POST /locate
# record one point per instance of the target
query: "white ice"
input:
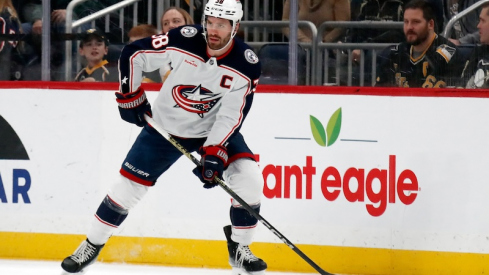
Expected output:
(27, 267)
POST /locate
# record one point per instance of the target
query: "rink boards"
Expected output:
(363, 181)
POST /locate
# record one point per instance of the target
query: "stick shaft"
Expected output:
(235, 196)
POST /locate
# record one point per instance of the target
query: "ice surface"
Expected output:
(24, 267)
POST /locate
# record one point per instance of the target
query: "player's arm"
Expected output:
(235, 106)
(143, 55)
(233, 111)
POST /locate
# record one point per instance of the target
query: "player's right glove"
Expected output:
(133, 106)
(213, 160)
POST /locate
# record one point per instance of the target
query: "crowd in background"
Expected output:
(21, 54)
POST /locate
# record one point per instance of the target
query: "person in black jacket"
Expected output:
(426, 59)
(476, 71)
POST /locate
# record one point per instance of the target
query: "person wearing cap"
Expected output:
(94, 47)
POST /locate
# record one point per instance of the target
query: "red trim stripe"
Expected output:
(244, 227)
(240, 120)
(185, 52)
(104, 222)
(262, 88)
(114, 202)
(135, 179)
(239, 156)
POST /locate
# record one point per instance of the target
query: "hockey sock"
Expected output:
(244, 224)
(108, 218)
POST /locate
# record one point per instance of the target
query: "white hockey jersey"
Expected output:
(203, 96)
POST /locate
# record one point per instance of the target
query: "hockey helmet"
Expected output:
(227, 9)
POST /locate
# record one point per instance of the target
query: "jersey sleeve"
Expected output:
(232, 113)
(237, 102)
(145, 55)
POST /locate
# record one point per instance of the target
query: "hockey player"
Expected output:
(202, 104)
(425, 60)
(476, 70)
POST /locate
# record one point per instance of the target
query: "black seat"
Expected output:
(274, 59)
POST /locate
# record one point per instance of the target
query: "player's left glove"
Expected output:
(133, 106)
(213, 160)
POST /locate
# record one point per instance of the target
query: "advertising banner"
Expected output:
(341, 169)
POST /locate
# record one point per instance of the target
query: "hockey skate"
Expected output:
(84, 255)
(242, 259)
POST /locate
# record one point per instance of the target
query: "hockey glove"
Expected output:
(213, 160)
(133, 106)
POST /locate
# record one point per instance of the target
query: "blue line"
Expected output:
(292, 138)
(359, 140)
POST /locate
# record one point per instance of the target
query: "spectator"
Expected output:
(373, 10)
(31, 18)
(317, 12)
(9, 25)
(175, 17)
(425, 60)
(93, 46)
(464, 30)
(172, 18)
(477, 68)
(140, 32)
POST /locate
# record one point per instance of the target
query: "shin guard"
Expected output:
(244, 224)
(110, 213)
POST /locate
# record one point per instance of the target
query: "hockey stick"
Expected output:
(235, 196)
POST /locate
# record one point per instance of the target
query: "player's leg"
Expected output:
(150, 156)
(113, 210)
(244, 177)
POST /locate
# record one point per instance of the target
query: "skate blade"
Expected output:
(83, 271)
(241, 271)
(67, 273)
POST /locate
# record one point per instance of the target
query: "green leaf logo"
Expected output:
(318, 131)
(326, 137)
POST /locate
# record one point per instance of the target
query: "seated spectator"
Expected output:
(318, 12)
(31, 18)
(9, 25)
(94, 47)
(140, 32)
(425, 60)
(172, 18)
(476, 71)
(464, 30)
(175, 17)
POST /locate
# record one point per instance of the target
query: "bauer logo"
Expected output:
(326, 136)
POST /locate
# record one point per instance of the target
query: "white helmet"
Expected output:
(226, 9)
